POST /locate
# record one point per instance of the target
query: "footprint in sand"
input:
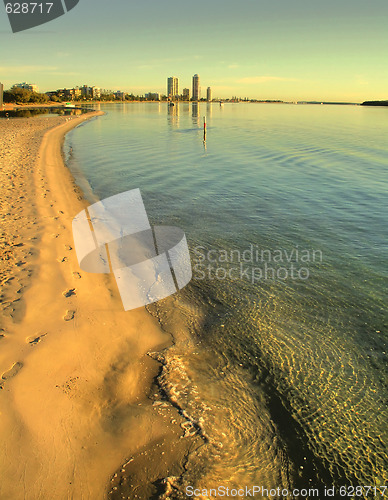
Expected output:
(35, 340)
(65, 259)
(70, 292)
(15, 368)
(68, 247)
(69, 315)
(76, 276)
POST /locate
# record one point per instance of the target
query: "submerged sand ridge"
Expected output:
(77, 398)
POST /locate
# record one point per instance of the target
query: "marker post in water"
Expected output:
(204, 129)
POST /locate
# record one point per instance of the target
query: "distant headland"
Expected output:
(375, 103)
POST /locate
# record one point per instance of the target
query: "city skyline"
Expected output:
(303, 51)
(87, 92)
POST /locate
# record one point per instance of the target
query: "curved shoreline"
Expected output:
(77, 384)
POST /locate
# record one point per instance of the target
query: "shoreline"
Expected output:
(78, 396)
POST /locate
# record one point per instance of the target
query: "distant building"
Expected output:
(27, 86)
(209, 94)
(86, 91)
(120, 95)
(76, 92)
(196, 88)
(153, 96)
(64, 93)
(1, 94)
(172, 87)
(96, 92)
(186, 95)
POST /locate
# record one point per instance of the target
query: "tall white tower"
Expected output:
(196, 88)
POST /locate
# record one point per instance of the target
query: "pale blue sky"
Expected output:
(272, 49)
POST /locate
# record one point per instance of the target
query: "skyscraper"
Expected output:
(209, 94)
(196, 88)
(186, 94)
(172, 87)
(1, 94)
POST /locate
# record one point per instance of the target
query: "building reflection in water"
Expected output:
(195, 114)
(123, 107)
(185, 108)
(173, 115)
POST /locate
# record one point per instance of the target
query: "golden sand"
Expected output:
(76, 382)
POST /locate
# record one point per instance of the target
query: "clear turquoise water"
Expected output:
(287, 378)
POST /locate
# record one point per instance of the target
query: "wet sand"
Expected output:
(80, 409)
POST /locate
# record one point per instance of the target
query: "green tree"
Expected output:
(18, 96)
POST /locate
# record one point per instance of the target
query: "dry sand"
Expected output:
(77, 398)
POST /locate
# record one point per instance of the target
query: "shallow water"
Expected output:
(285, 367)
(36, 112)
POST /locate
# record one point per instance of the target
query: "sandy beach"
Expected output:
(78, 403)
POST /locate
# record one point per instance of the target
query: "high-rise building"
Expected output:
(1, 94)
(196, 88)
(209, 94)
(186, 94)
(172, 87)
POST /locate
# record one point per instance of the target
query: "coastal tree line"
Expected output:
(24, 96)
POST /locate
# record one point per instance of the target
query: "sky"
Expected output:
(332, 50)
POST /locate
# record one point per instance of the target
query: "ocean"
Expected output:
(280, 356)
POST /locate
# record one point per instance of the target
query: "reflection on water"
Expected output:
(195, 112)
(51, 111)
(184, 108)
(173, 114)
(286, 378)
